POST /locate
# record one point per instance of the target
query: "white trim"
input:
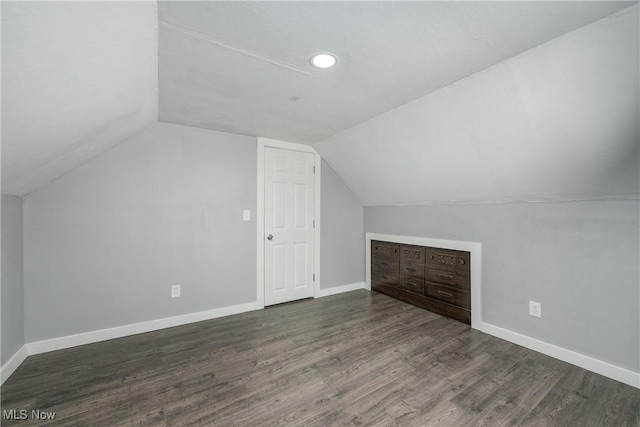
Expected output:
(598, 366)
(340, 289)
(260, 224)
(475, 248)
(136, 328)
(262, 143)
(285, 145)
(586, 362)
(318, 196)
(13, 363)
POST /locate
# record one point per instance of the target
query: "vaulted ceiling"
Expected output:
(80, 77)
(77, 79)
(244, 66)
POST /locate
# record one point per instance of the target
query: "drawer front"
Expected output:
(450, 295)
(415, 254)
(385, 249)
(410, 284)
(412, 269)
(384, 264)
(448, 260)
(449, 278)
(386, 278)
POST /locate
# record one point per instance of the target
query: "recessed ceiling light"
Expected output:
(323, 60)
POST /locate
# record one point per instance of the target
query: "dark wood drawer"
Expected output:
(448, 260)
(386, 278)
(449, 278)
(452, 296)
(431, 278)
(385, 249)
(415, 254)
(384, 264)
(427, 303)
(412, 269)
(411, 284)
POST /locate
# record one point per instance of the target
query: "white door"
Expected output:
(288, 225)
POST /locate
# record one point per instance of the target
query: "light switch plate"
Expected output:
(246, 215)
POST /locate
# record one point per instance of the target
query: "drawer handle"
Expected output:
(445, 276)
(445, 294)
(384, 263)
(384, 277)
(413, 270)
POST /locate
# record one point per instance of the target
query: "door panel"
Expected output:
(289, 233)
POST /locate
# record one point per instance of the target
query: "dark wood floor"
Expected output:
(351, 359)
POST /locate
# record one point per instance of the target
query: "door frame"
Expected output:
(263, 143)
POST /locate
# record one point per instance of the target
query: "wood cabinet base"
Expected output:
(427, 303)
(431, 278)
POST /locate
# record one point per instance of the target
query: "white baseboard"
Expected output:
(598, 366)
(340, 289)
(136, 328)
(589, 363)
(13, 363)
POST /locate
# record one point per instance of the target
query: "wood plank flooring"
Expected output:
(358, 358)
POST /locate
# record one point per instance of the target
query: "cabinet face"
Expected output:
(432, 278)
(454, 279)
(452, 296)
(386, 278)
(412, 269)
(414, 254)
(385, 249)
(384, 264)
(448, 260)
(413, 285)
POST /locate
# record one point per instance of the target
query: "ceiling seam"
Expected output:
(250, 54)
(558, 199)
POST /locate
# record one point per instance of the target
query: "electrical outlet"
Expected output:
(175, 291)
(246, 215)
(535, 309)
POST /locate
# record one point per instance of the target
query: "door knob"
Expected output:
(270, 237)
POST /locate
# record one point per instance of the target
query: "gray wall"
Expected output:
(342, 236)
(579, 259)
(104, 243)
(12, 277)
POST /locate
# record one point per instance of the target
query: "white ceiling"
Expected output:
(81, 77)
(77, 79)
(243, 67)
(558, 122)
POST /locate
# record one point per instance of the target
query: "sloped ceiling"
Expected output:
(81, 77)
(559, 122)
(243, 66)
(77, 79)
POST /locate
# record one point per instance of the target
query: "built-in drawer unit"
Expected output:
(385, 250)
(452, 296)
(455, 279)
(448, 259)
(410, 284)
(384, 277)
(432, 278)
(385, 265)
